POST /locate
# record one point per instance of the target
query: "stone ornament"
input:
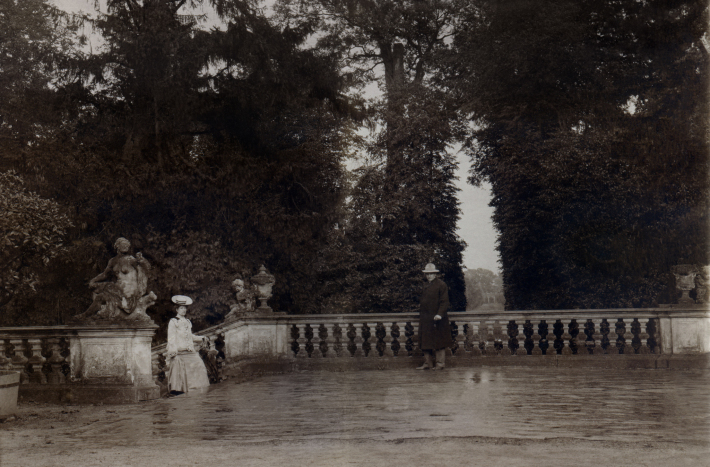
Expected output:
(702, 280)
(243, 303)
(263, 282)
(690, 277)
(119, 293)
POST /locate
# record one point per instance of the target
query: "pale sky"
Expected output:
(475, 226)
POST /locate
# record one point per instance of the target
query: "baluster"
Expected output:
(616, 332)
(388, 340)
(315, 341)
(654, 328)
(36, 361)
(580, 340)
(504, 338)
(566, 339)
(293, 340)
(416, 349)
(4, 361)
(628, 338)
(490, 339)
(397, 345)
(485, 333)
(373, 340)
(368, 340)
(643, 335)
(449, 352)
(483, 338)
(474, 338)
(154, 364)
(56, 360)
(359, 352)
(521, 337)
(157, 361)
(18, 359)
(409, 334)
(461, 339)
(612, 336)
(597, 337)
(550, 339)
(302, 341)
(330, 341)
(536, 338)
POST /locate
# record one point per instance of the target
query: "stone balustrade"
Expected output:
(557, 337)
(477, 335)
(84, 364)
(114, 363)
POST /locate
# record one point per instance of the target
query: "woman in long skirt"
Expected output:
(187, 370)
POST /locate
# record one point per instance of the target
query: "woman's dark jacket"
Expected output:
(434, 335)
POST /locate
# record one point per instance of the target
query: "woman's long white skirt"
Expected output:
(187, 371)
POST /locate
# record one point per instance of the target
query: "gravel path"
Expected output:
(461, 416)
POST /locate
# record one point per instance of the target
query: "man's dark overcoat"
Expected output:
(434, 335)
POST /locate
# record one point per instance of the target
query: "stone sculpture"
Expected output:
(702, 280)
(244, 300)
(119, 293)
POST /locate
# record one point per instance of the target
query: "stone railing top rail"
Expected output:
(68, 329)
(675, 310)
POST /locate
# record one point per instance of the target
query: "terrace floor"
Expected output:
(460, 416)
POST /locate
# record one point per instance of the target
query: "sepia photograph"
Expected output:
(354, 232)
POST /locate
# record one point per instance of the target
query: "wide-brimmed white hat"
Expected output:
(430, 268)
(181, 300)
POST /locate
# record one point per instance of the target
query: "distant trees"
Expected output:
(482, 284)
(591, 125)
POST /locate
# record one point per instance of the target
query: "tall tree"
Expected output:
(36, 43)
(593, 134)
(212, 151)
(407, 191)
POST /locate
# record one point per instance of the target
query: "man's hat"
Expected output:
(430, 268)
(182, 300)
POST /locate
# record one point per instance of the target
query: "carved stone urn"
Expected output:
(263, 282)
(685, 281)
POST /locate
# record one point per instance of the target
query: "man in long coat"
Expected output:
(434, 328)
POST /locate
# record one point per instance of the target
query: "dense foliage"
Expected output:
(591, 125)
(215, 151)
(31, 232)
(212, 151)
(403, 210)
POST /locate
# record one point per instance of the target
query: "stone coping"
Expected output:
(26, 332)
(671, 311)
(66, 328)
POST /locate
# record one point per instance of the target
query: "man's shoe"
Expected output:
(438, 367)
(424, 367)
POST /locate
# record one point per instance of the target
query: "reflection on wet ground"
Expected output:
(594, 404)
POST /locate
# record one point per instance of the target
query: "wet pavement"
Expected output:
(479, 416)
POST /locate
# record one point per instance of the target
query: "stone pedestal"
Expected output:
(685, 334)
(9, 385)
(111, 364)
(255, 338)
